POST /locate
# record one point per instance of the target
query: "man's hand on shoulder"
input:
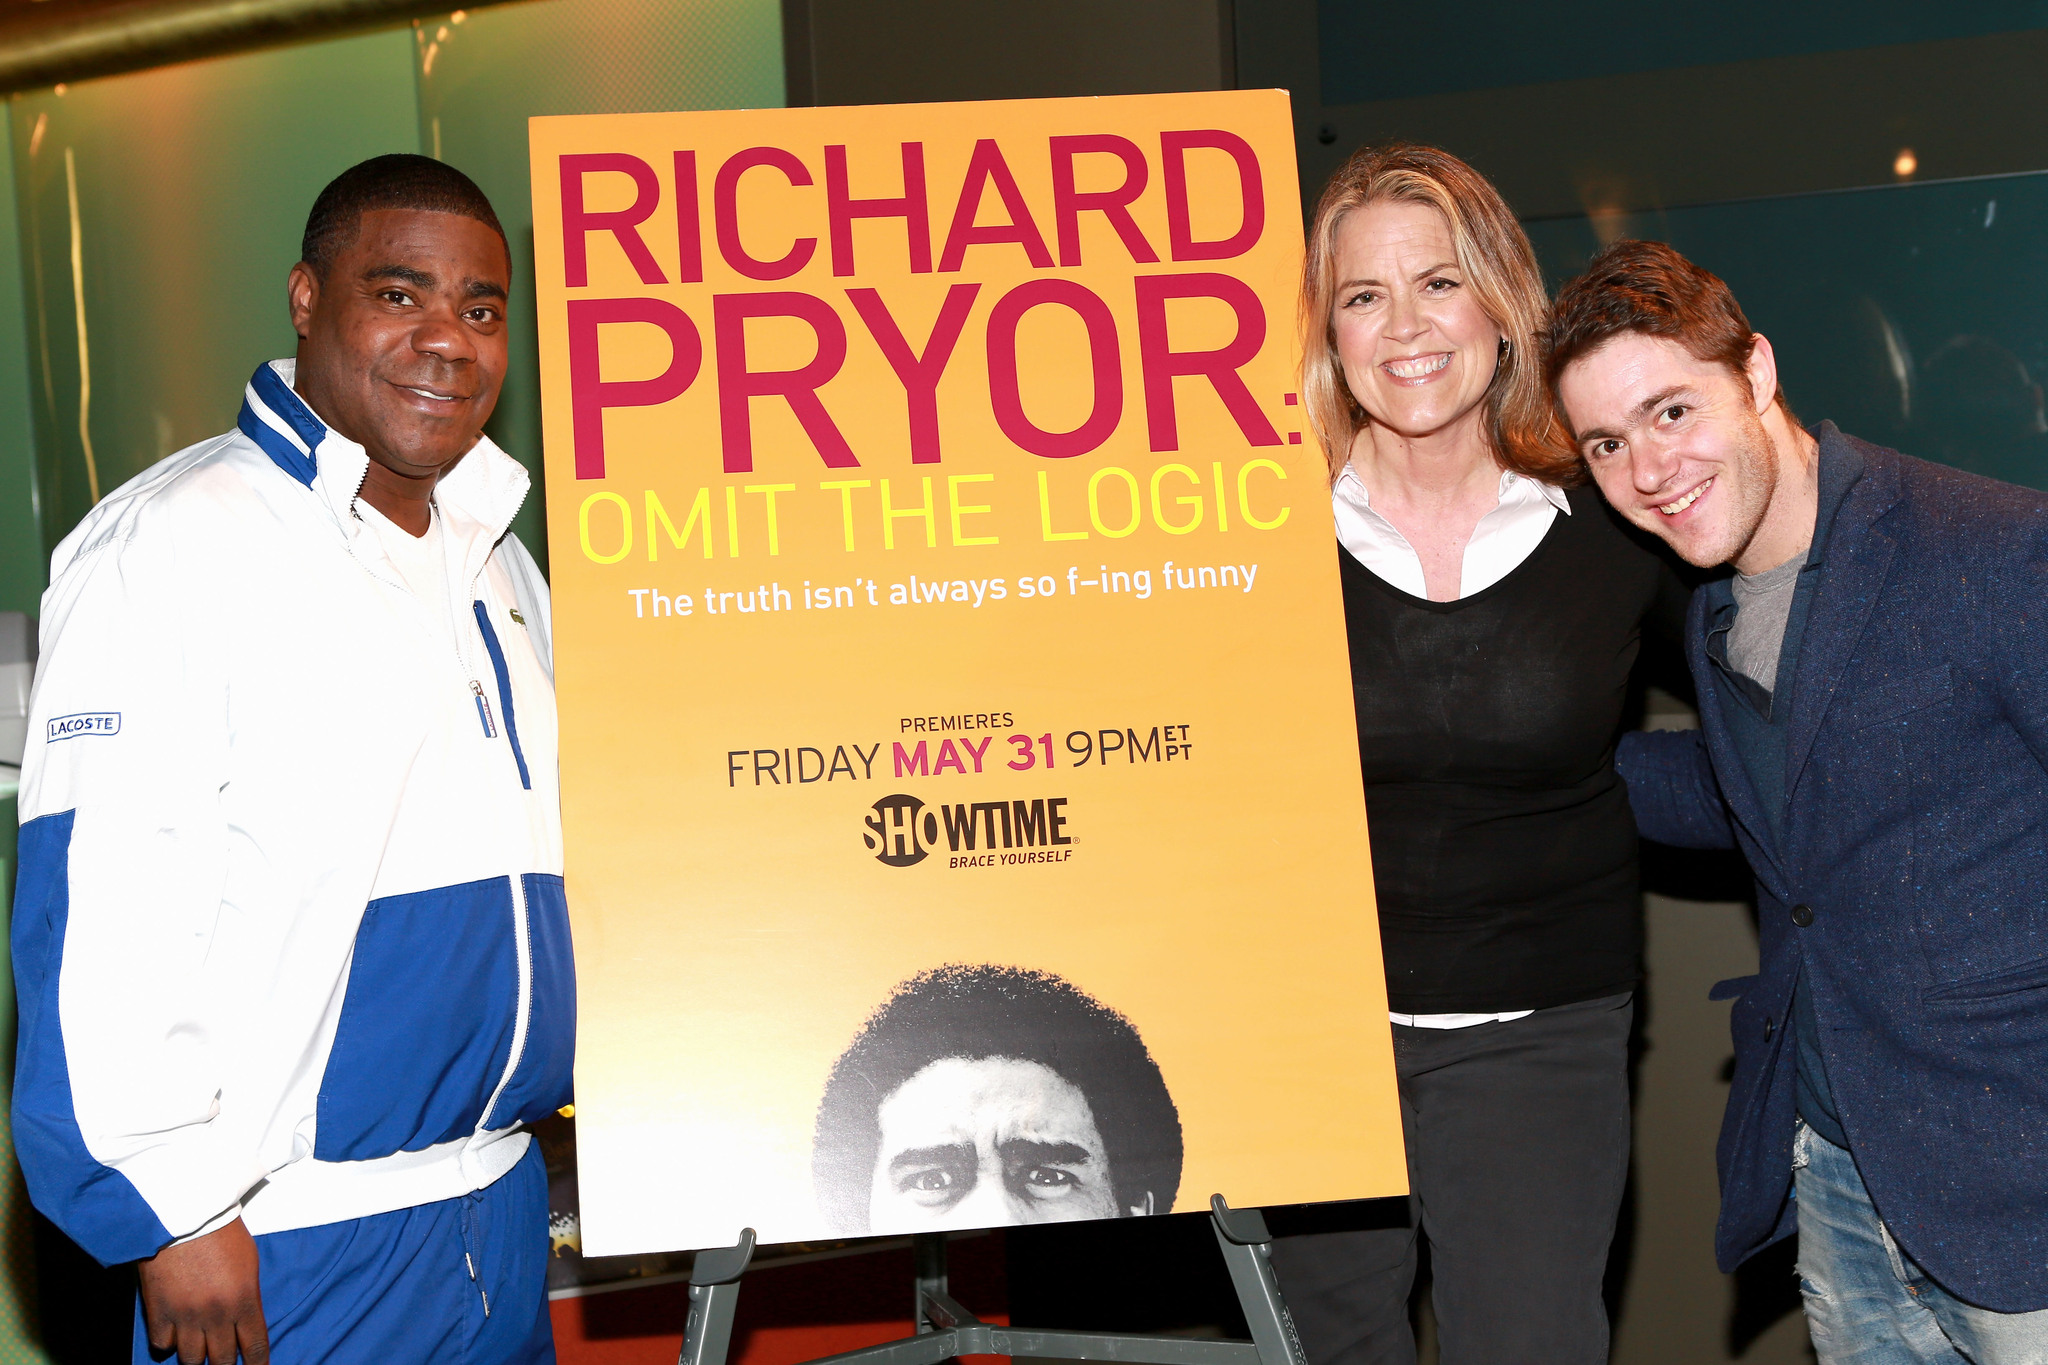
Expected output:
(201, 1298)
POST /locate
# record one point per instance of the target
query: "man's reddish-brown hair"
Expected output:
(1649, 288)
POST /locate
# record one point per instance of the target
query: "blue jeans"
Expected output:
(1867, 1303)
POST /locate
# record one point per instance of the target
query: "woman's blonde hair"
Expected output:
(1499, 267)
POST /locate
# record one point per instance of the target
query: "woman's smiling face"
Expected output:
(1417, 349)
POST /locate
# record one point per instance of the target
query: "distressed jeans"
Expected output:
(1867, 1303)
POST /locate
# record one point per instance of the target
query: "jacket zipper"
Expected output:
(521, 929)
(483, 709)
(476, 688)
(504, 675)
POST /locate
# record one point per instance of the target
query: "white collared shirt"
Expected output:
(1504, 537)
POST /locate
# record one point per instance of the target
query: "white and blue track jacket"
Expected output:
(289, 936)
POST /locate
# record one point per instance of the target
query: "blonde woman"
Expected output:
(1495, 612)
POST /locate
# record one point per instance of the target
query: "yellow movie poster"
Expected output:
(958, 765)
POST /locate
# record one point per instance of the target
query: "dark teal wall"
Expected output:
(1619, 106)
(1871, 176)
(1376, 51)
(1912, 315)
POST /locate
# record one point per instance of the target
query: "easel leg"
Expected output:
(946, 1330)
(1247, 1250)
(928, 1250)
(714, 1294)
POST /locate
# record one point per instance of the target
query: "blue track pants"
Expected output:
(396, 1288)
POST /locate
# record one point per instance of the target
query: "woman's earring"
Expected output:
(1505, 346)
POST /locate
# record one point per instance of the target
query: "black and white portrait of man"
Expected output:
(985, 1096)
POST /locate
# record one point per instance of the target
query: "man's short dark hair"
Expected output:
(980, 1010)
(401, 180)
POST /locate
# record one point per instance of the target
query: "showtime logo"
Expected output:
(901, 831)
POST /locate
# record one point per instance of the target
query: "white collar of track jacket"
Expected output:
(478, 497)
(1504, 537)
(290, 932)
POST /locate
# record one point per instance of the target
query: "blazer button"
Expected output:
(1802, 914)
(1769, 1029)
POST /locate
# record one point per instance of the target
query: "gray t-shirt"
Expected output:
(1763, 603)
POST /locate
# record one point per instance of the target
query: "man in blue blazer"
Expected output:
(1873, 694)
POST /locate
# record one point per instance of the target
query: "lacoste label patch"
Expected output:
(85, 723)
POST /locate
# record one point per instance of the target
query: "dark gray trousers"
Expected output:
(1517, 1153)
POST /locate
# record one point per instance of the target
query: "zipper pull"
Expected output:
(483, 709)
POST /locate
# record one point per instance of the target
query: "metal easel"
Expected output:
(945, 1329)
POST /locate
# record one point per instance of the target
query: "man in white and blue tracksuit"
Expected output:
(289, 936)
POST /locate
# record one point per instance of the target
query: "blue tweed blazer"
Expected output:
(1916, 835)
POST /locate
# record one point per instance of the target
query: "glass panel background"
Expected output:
(1914, 316)
(1383, 52)
(185, 190)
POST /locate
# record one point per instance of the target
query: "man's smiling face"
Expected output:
(402, 344)
(1677, 444)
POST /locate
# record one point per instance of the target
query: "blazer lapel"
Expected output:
(1729, 769)
(1857, 559)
